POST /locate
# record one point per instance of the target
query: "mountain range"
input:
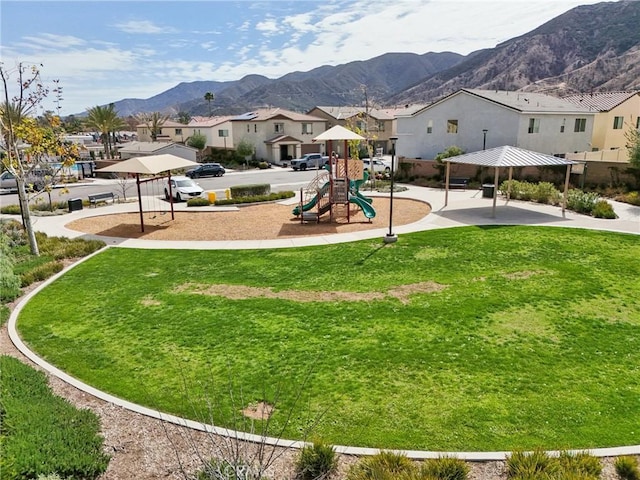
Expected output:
(587, 49)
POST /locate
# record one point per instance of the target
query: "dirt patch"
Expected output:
(520, 275)
(258, 411)
(243, 292)
(149, 301)
(258, 222)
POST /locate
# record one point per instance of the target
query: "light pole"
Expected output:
(391, 237)
(484, 138)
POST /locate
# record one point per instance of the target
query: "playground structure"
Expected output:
(334, 190)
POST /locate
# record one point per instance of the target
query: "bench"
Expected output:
(457, 182)
(94, 198)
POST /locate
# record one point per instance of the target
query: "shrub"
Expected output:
(12, 233)
(627, 468)
(62, 247)
(4, 314)
(445, 468)
(43, 433)
(256, 199)
(581, 463)
(41, 272)
(632, 197)
(9, 281)
(250, 190)
(384, 465)
(546, 192)
(580, 201)
(198, 202)
(603, 209)
(263, 165)
(316, 461)
(10, 209)
(521, 465)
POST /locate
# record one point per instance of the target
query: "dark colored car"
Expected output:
(206, 170)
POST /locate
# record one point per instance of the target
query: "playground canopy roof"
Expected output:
(338, 133)
(509, 157)
(151, 165)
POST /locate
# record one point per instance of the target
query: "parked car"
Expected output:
(34, 181)
(378, 165)
(182, 188)
(206, 170)
(309, 160)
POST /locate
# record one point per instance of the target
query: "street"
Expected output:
(279, 178)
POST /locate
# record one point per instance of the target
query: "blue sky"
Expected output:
(107, 51)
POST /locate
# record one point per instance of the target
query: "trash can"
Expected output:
(212, 197)
(75, 204)
(488, 189)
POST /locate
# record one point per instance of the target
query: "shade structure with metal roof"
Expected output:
(337, 132)
(507, 157)
(149, 165)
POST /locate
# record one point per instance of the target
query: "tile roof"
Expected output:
(600, 101)
(343, 113)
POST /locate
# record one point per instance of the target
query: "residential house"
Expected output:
(475, 119)
(615, 114)
(277, 135)
(169, 132)
(144, 149)
(376, 124)
(217, 130)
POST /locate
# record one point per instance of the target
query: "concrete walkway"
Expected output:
(465, 208)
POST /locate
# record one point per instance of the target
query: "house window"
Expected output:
(452, 126)
(361, 125)
(430, 126)
(380, 125)
(307, 128)
(617, 122)
(638, 123)
(248, 128)
(534, 125)
(581, 124)
(255, 128)
(561, 128)
(223, 133)
(178, 131)
(278, 127)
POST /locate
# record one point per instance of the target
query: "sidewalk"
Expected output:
(466, 207)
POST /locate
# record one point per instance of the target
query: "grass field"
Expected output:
(475, 338)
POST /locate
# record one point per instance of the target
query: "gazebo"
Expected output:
(507, 157)
(150, 165)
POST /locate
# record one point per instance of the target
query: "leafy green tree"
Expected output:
(184, 117)
(209, 97)
(451, 151)
(197, 141)
(633, 148)
(106, 121)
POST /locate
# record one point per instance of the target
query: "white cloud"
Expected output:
(268, 26)
(143, 26)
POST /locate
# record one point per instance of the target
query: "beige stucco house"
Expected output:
(143, 149)
(615, 114)
(170, 132)
(377, 124)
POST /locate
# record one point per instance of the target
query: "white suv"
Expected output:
(378, 165)
(182, 188)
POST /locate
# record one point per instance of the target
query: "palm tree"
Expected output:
(154, 122)
(209, 98)
(106, 121)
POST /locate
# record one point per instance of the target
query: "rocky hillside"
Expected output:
(590, 48)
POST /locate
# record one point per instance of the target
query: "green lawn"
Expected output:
(531, 340)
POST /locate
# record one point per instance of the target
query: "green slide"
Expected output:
(366, 207)
(312, 203)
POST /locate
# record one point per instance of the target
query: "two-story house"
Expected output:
(277, 135)
(477, 119)
(376, 124)
(169, 132)
(615, 114)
